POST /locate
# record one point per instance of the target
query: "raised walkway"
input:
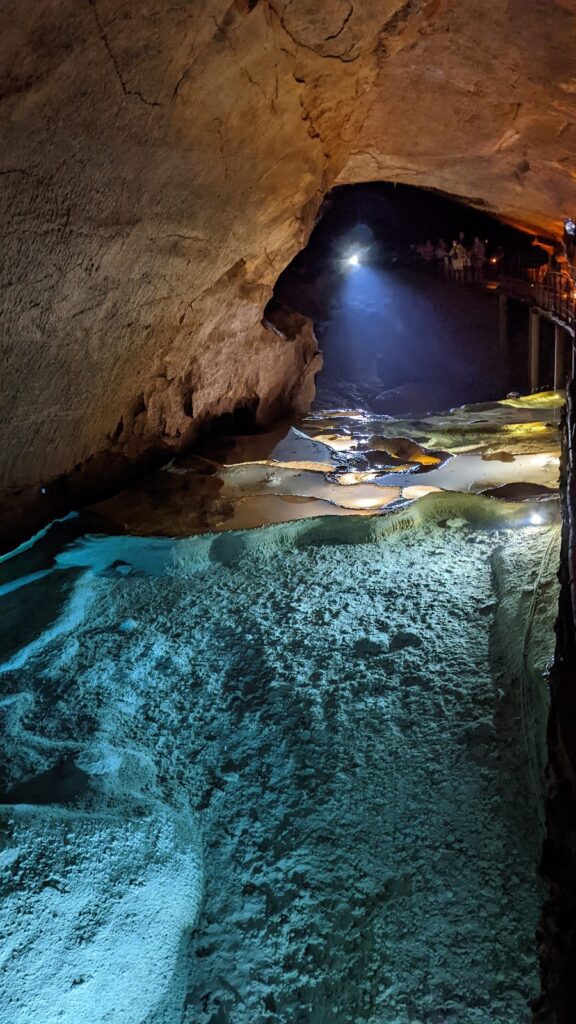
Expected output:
(553, 298)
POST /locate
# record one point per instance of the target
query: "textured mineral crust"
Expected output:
(288, 774)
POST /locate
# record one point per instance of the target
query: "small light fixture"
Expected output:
(353, 260)
(536, 519)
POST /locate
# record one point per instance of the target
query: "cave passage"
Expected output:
(395, 335)
(275, 715)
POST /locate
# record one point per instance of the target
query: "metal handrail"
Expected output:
(554, 292)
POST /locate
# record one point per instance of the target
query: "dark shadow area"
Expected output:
(101, 477)
(63, 783)
(557, 934)
(395, 334)
(242, 420)
(33, 606)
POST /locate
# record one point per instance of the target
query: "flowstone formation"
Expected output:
(344, 463)
(162, 163)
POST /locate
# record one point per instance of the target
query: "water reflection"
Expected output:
(347, 461)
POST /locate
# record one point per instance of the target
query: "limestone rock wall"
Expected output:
(163, 161)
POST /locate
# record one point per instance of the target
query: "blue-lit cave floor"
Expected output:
(290, 774)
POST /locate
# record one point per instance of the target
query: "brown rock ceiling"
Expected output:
(162, 162)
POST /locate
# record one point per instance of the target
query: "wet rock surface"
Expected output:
(343, 462)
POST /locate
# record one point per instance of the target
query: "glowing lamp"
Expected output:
(353, 260)
(536, 519)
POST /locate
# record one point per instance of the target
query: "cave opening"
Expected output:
(398, 328)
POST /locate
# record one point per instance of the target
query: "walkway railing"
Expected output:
(549, 294)
(550, 291)
(555, 294)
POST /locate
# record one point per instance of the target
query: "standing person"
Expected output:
(569, 241)
(458, 257)
(440, 251)
(478, 255)
(441, 255)
(427, 251)
(466, 257)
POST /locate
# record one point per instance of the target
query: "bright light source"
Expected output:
(349, 479)
(535, 519)
(354, 260)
